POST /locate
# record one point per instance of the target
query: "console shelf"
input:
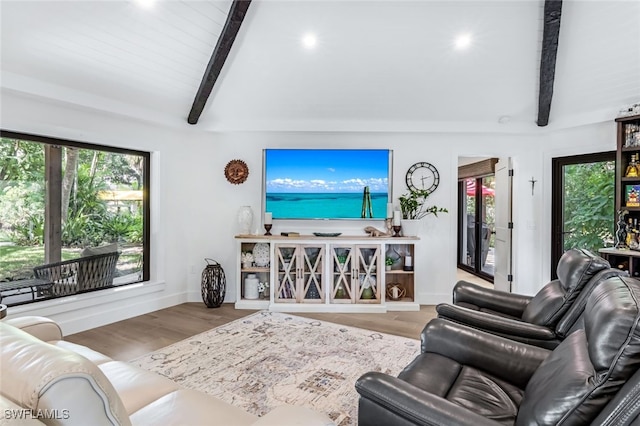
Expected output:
(310, 273)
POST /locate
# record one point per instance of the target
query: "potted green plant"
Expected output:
(413, 208)
(388, 261)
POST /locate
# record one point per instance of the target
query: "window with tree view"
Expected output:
(582, 203)
(588, 209)
(73, 217)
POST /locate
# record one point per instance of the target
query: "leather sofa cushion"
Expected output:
(575, 268)
(93, 356)
(498, 400)
(188, 407)
(546, 306)
(611, 322)
(589, 367)
(431, 372)
(136, 386)
(555, 389)
(485, 310)
(465, 386)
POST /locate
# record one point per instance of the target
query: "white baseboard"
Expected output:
(196, 296)
(434, 298)
(89, 310)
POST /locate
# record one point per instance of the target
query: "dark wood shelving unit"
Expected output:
(628, 145)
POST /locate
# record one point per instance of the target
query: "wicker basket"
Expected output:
(214, 284)
(79, 275)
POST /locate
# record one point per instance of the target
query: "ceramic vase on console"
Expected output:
(245, 219)
(261, 254)
(251, 284)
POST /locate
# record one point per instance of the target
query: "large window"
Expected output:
(74, 217)
(583, 204)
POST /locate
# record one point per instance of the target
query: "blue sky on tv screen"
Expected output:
(326, 171)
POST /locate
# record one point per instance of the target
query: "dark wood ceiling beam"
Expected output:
(550, 35)
(236, 15)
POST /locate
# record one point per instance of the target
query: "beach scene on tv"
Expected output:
(326, 184)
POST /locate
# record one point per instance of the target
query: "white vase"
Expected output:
(245, 219)
(410, 227)
(251, 282)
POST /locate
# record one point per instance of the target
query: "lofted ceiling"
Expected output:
(379, 65)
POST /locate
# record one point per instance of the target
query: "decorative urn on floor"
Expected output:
(213, 284)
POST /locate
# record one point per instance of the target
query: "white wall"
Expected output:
(194, 208)
(436, 251)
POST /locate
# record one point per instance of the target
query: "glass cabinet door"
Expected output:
(311, 285)
(367, 283)
(299, 273)
(287, 263)
(342, 266)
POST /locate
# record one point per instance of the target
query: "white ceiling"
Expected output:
(379, 65)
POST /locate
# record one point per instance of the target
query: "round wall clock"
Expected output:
(236, 171)
(423, 177)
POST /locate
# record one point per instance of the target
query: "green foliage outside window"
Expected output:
(589, 205)
(87, 218)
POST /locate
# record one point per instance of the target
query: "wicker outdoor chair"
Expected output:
(79, 275)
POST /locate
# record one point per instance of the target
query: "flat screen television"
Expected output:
(327, 183)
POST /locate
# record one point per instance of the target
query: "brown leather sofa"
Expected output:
(44, 379)
(465, 376)
(542, 320)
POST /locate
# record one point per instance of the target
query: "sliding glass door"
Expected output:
(476, 224)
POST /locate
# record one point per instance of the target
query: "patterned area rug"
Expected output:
(268, 359)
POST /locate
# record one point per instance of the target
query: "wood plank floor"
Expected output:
(128, 339)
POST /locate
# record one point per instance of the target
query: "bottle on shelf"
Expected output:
(632, 168)
(634, 233)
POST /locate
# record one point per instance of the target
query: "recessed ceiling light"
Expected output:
(463, 41)
(145, 4)
(309, 40)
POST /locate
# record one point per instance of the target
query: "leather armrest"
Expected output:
(494, 323)
(411, 403)
(500, 301)
(43, 328)
(507, 359)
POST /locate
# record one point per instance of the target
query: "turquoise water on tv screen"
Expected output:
(325, 183)
(324, 206)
